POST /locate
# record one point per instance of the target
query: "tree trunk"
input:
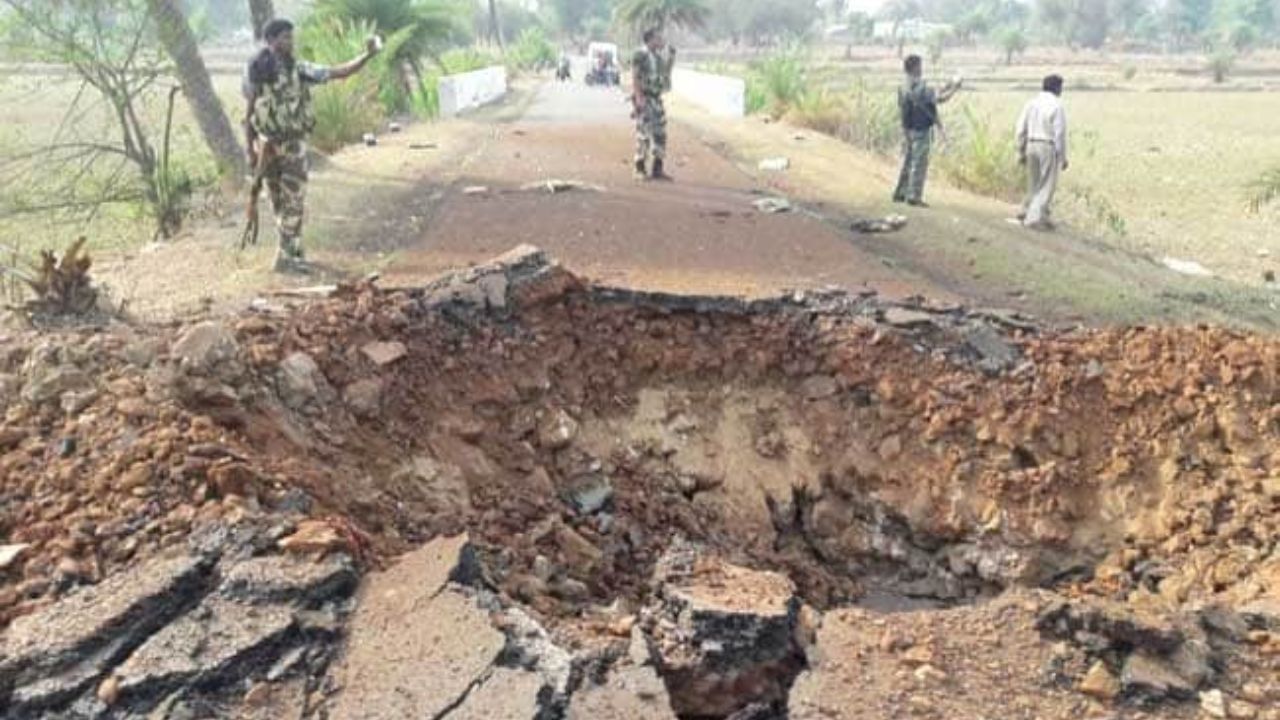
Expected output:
(180, 43)
(260, 13)
(495, 27)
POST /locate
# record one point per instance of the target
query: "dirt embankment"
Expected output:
(624, 460)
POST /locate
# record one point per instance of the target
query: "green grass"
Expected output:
(1176, 186)
(980, 155)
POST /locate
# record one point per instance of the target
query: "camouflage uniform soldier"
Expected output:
(278, 120)
(918, 106)
(650, 78)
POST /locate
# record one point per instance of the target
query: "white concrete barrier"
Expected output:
(719, 95)
(465, 91)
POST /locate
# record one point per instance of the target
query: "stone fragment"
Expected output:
(558, 431)
(204, 346)
(906, 318)
(725, 636)
(629, 692)
(300, 381)
(50, 382)
(1100, 682)
(364, 397)
(9, 554)
(289, 579)
(818, 387)
(1149, 676)
(1213, 703)
(416, 647)
(315, 536)
(384, 353)
(995, 354)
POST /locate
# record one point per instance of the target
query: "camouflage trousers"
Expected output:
(915, 165)
(651, 130)
(286, 180)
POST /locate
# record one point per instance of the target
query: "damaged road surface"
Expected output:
(511, 494)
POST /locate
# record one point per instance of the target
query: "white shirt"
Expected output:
(1044, 120)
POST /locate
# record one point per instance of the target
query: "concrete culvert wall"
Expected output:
(681, 504)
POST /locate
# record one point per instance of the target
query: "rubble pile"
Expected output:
(679, 503)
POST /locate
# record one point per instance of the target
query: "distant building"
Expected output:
(913, 30)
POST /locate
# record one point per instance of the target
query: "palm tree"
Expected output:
(640, 15)
(429, 24)
(178, 40)
(432, 21)
(260, 13)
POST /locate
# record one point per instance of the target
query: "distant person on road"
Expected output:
(1042, 148)
(650, 78)
(918, 108)
(278, 120)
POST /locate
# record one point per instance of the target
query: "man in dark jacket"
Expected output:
(918, 107)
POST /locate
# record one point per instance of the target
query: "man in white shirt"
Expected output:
(1042, 148)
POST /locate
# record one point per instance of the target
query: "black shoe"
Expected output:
(898, 199)
(292, 266)
(640, 172)
(659, 173)
(918, 203)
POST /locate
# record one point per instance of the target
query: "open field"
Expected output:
(35, 113)
(1162, 156)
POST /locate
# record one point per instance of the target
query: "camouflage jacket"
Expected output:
(279, 92)
(653, 70)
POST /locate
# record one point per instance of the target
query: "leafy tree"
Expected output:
(1241, 36)
(639, 15)
(572, 17)
(1076, 22)
(1013, 41)
(768, 22)
(1220, 65)
(260, 13)
(178, 40)
(899, 12)
(92, 158)
(1127, 14)
(936, 44)
(1187, 20)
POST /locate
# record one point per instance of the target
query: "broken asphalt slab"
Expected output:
(54, 655)
(416, 647)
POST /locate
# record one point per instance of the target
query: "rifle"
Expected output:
(250, 234)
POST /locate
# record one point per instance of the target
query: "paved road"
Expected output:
(700, 233)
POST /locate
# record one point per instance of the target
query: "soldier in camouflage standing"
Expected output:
(918, 106)
(278, 120)
(650, 78)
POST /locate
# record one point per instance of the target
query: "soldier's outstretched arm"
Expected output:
(347, 69)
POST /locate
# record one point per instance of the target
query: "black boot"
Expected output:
(658, 172)
(641, 173)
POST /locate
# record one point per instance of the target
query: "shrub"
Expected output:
(1264, 190)
(347, 110)
(532, 51)
(980, 159)
(460, 60)
(820, 110)
(873, 119)
(1130, 72)
(1100, 211)
(777, 82)
(1220, 66)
